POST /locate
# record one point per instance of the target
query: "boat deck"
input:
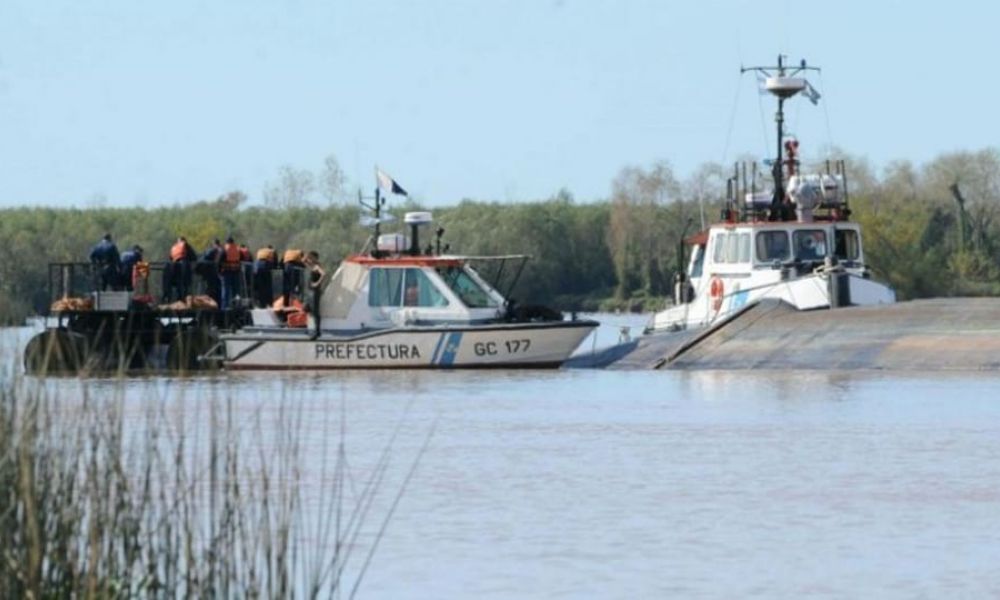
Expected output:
(944, 334)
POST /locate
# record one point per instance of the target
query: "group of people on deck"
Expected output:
(114, 271)
(229, 271)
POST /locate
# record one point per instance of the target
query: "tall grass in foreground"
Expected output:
(98, 502)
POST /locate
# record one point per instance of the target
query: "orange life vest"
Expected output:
(231, 257)
(293, 256)
(178, 252)
(266, 254)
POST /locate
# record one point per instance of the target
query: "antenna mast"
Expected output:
(781, 81)
(376, 209)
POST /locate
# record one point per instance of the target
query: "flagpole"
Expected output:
(378, 215)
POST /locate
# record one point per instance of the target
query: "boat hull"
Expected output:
(506, 345)
(809, 292)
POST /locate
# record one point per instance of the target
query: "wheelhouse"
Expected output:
(740, 248)
(375, 293)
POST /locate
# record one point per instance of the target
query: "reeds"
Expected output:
(101, 499)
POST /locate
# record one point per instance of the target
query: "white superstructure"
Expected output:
(809, 265)
(791, 240)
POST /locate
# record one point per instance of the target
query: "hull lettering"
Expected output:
(349, 351)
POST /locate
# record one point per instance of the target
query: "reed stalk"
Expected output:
(96, 502)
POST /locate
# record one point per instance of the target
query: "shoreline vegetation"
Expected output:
(930, 230)
(105, 498)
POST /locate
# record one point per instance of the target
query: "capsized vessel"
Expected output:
(793, 242)
(398, 306)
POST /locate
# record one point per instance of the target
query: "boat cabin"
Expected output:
(745, 248)
(375, 293)
(397, 284)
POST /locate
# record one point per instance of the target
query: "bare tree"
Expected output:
(331, 180)
(232, 200)
(292, 190)
(861, 177)
(705, 187)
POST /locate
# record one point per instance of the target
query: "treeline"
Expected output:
(930, 230)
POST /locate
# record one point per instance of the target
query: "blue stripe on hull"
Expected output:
(451, 349)
(437, 349)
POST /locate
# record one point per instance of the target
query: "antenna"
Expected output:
(376, 219)
(782, 81)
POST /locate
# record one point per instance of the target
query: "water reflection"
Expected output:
(648, 484)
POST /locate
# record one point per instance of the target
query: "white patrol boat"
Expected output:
(793, 242)
(398, 307)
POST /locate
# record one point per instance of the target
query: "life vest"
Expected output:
(293, 256)
(244, 254)
(178, 252)
(140, 274)
(231, 257)
(266, 254)
(297, 319)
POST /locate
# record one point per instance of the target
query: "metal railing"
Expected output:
(82, 279)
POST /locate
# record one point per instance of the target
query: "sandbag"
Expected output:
(67, 303)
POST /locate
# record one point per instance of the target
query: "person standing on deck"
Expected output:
(229, 272)
(292, 265)
(208, 268)
(267, 259)
(177, 274)
(104, 256)
(129, 258)
(246, 272)
(317, 281)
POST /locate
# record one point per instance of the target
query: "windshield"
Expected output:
(848, 246)
(403, 287)
(466, 288)
(772, 246)
(810, 244)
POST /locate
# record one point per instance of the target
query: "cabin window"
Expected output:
(810, 244)
(385, 287)
(744, 247)
(466, 288)
(772, 246)
(421, 291)
(848, 246)
(732, 248)
(697, 261)
(719, 252)
(403, 287)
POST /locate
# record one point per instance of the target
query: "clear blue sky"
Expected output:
(166, 102)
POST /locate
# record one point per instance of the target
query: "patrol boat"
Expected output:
(399, 307)
(793, 242)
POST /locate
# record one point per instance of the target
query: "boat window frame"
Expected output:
(375, 284)
(732, 248)
(719, 248)
(434, 292)
(767, 258)
(799, 234)
(376, 279)
(697, 263)
(841, 236)
(491, 301)
(743, 247)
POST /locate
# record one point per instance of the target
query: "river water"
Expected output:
(600, 484)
